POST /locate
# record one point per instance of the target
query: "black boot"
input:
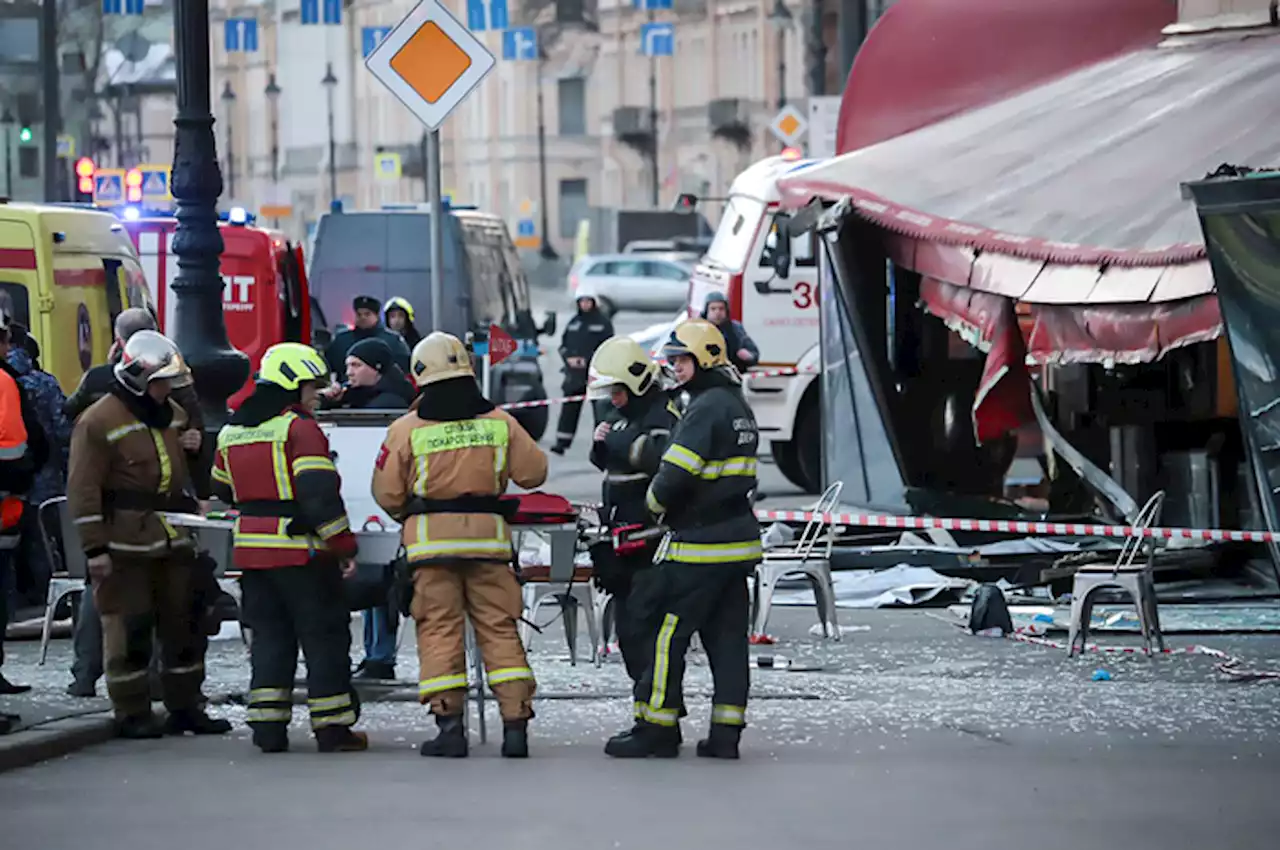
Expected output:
(9, 689)
(375, 670)
(271, 737)
(195, 721)
(722, 743)
(451, 741)
(515, 739)
(644, 740)
(139, 727)
(82, 690)
(340, 739)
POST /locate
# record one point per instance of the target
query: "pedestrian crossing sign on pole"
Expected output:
(526, 234)
(387, 166)
(108, 187)
(155, 184)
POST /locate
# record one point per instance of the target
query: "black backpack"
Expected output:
(989, 611)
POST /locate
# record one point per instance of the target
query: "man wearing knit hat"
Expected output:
(368, 325)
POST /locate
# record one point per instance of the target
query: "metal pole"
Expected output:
(333, 144)
(199, 329)
(852, 26)
(434, 198)
(8, 160)
(231, 157)
(545, 249)
(426, 176)
(487, 379)
(52, 98)
(782, 67)
(817, 51)
(653, 122)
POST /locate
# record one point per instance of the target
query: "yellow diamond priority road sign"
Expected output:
(788, 125)
(431, 62)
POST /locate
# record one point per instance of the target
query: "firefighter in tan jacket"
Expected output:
(127, 466)
(440, 473)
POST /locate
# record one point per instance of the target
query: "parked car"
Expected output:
(632, 281)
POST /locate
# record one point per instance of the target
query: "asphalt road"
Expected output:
(911, 735)
(572, 475)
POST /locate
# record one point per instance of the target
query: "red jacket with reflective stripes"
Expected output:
(284, 459)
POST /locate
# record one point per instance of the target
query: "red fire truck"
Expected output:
(265, 299)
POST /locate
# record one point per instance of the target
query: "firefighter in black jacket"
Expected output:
(703, 494)
(628, 448)
(585, 332)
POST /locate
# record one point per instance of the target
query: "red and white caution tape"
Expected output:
(542, 402)
(1005, 526)
(1227, 664)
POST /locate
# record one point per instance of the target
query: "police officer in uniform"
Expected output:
(293, 543)
(441, 471)
(127, 466)
(585, 332)
(628, 447)
(703, 493)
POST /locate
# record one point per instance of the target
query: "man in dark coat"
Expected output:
(368, 325)
(743, 351)
(585, 332)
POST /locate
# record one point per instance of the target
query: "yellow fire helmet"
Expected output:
(620, 360)
(701, 340)
(397, 303)
(439, 357)
(289, 365)
(148, 356)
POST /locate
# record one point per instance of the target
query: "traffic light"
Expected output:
(85, 170)
(24, 135)
(133, 186)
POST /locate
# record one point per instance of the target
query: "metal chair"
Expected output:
(564, 588)
(1127, 574)
(477, 686)
(70, 567)
(809, 558)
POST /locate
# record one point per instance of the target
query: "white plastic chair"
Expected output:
(1128, 574)
(809, 558)
(70, 567)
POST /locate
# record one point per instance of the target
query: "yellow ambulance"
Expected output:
(66, 272)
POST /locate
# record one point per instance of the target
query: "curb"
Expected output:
(53, 739)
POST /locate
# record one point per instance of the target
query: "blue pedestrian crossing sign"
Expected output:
(155, 184)
(108, 187)
(387, 166)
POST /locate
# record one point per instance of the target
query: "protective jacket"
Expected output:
(582, 336)
(441, 477)
(24, 447)
(277, 472)
(126, 467)
(631, 452)
(704, 485)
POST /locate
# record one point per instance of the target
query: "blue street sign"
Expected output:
(370, 37)
(108, 188)
(321, 12)
(134, 7)
(240, 35)
(155, 183)
(524, 227)
(520, 43)
(487, 15)
(652, 5)
(658, 39)
(123, 7)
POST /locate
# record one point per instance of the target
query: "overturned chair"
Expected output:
(1135, 577)
(809, 559)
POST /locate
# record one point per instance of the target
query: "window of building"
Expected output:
(572, 106)
(573, 206)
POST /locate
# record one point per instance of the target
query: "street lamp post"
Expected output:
(330, 82)
(199, 329)
(8, 121)
(545, 249)
(654, 180)
(272, 91)
(781, 20)
(228, 104)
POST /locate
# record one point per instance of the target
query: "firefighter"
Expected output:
(703, 494)
(293, 544)
(127, 465)
(397, 315)
(627, 446)
(585, 332)
(440, 473)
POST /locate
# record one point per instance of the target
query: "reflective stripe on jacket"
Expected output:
(704, 485)
(437, 460)
(284, 460)
(112, 450)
